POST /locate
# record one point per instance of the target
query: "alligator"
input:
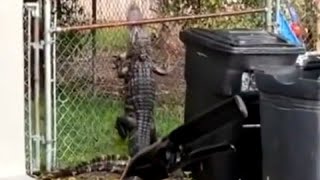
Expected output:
(136, 67)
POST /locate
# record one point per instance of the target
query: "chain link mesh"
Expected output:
(87, 87)
(101, 11)
(308, 11)
(84, 111)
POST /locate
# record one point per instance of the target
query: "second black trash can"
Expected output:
(216, 61)
(290, 123)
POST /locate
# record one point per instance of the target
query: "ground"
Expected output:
(94, 176)
(100, 176)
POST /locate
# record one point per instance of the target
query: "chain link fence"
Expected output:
(87, 90)
(100, 11)
(86, 93)
(88, 99)
(309, 13)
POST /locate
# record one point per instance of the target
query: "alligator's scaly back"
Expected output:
(139, 85)
(137, 123)
(109, 163)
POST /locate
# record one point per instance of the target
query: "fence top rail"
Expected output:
(156, 20)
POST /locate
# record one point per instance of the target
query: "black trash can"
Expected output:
(216, 62)
(290, 123)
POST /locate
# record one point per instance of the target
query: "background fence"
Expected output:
(84, 95)
(87, 91)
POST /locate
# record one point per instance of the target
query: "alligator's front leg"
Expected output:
(122, 72)
(119, 63)
(161, 71)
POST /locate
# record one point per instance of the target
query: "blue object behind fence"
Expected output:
(285, 30)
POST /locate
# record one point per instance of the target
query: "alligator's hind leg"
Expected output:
(124, 125)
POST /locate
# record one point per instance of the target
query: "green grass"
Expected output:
(108, 39)
(115, 38)
(86, 127)
(112, 38)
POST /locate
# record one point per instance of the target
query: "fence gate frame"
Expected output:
(39, 129)
(32, 46)
(49, 20)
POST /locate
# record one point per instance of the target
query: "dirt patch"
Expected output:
(94, 176)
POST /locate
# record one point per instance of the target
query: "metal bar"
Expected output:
(54, 77)
(269, 15)
(156, 20)
(251, 125)
(29, 91)
(313, 53)
(94, 43)
(277, 9)
(48, 89)
(36, 43)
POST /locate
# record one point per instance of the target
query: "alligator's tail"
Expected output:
(141, 137)
(109, 163)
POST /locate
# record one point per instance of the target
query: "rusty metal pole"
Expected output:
(269, 9)
(94, 44)
(156, 20)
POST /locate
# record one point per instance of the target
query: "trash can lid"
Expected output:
(240, 41)
(289, 82)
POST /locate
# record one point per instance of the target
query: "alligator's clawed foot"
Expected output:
(162, 71)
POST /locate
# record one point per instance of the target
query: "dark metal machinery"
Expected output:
(175, 151)
(218, 71)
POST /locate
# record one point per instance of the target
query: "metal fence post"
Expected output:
(94, 43)
(269, 15)
(33, 60)
(28, 73)
(48, 88)
(277, 9)
(36, 49)
(54, 98)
